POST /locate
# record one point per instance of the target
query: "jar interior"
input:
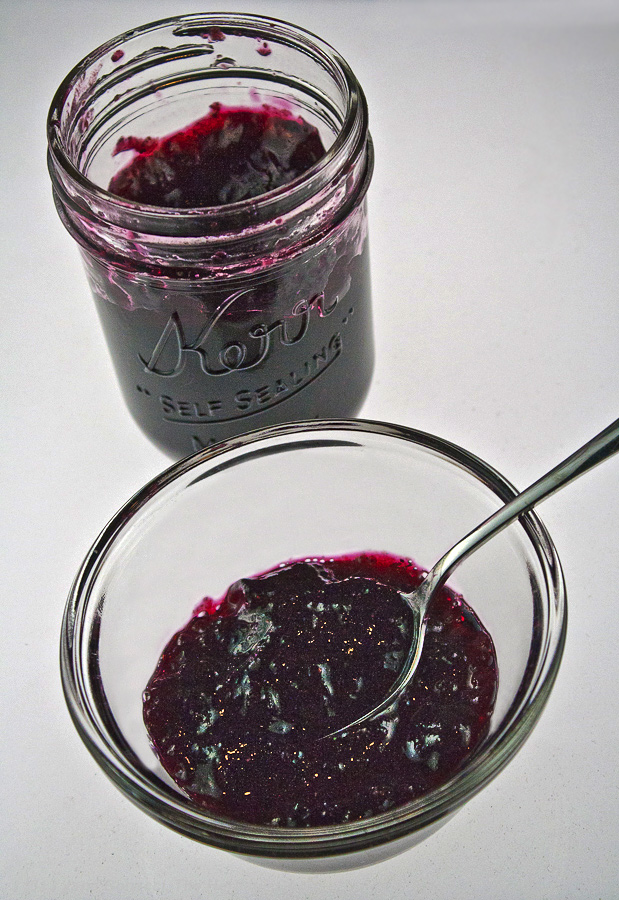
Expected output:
(166, 79)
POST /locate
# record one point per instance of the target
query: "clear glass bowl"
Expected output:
(303, 490)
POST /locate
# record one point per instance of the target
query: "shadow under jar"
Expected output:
(221, 318)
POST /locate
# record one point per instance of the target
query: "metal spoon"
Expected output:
(595, 451)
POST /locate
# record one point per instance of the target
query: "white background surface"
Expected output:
(494, 229)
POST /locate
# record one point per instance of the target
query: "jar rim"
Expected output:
(348, 145)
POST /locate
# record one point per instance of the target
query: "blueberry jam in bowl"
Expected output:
(247, 605)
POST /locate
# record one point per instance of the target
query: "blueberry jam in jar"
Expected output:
(242, 704)
(217, 193)
(229, 155)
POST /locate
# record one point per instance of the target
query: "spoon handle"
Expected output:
(595, 451)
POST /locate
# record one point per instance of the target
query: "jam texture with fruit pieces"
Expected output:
(243, 701)
(229, 155)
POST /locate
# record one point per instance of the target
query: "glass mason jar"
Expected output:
(221, 319)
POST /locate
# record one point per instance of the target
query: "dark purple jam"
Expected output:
(229, 155)
(202, 355)
(242, 697)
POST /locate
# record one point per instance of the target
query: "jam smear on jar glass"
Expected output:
(242, 704)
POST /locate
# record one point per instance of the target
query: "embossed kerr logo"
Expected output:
(172, 350)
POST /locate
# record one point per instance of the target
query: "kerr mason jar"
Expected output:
(221, 318)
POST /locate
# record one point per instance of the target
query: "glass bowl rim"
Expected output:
(115, 757)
